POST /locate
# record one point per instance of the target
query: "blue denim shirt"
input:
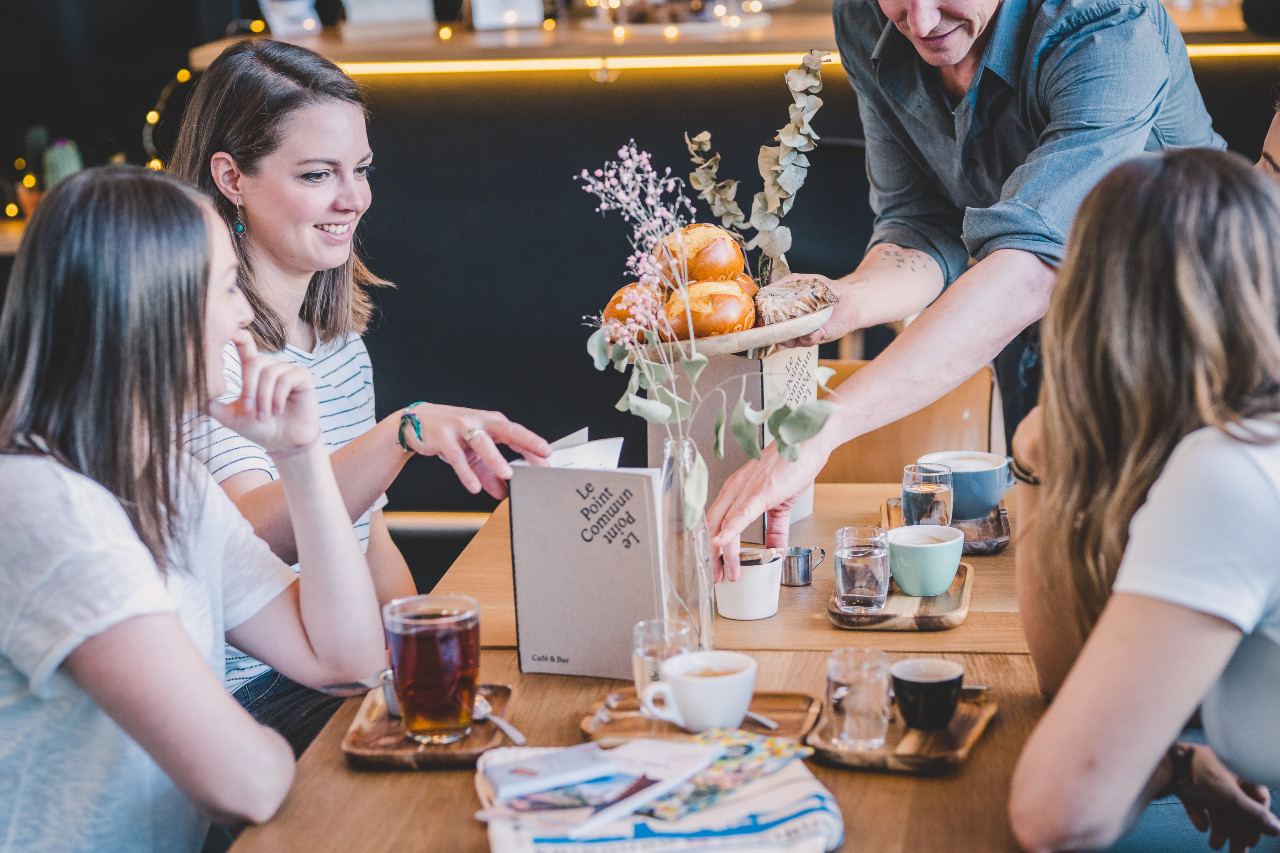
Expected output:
(1067, 89)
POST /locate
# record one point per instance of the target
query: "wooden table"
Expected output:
(483, 571)
(334, 808)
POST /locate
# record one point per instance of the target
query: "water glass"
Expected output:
(653, 641)
(858, 698)
(862, 568)
(926, 494)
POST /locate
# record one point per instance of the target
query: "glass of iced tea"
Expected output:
(435, 661)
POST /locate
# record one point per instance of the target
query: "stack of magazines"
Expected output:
(723, 790)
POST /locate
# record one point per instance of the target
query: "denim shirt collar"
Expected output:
(900, 71)
(1009, 39)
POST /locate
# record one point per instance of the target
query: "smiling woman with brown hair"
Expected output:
(1147, 575)
(275, 134)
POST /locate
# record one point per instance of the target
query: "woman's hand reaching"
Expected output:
(468, 440)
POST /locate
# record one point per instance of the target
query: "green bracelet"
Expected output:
(408, 417)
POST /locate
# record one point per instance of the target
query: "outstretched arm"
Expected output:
(368, 464)
(959, 333)
(891, 284)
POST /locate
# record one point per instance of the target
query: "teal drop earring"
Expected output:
(238, 225)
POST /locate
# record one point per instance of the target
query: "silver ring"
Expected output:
(470, 434)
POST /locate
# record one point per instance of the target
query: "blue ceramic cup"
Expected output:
(978, 481)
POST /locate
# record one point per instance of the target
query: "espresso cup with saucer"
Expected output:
(702, 690)
(927, 691)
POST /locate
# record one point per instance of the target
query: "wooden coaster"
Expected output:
(616, 718)
(982, 536)
(904, 612)
(911, 750)
(376, 741)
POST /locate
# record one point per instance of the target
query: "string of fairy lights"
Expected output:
(30, 181)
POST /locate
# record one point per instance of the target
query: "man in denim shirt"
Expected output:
(986, 123)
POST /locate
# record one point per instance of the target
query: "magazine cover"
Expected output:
(746, 757)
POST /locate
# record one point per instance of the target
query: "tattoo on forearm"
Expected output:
(910, 259)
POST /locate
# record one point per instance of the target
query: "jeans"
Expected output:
(297, 712)
(1018, 375)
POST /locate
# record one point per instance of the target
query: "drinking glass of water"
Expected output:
(862, 568)
(926, 494)
(858, 698)
(655, 640)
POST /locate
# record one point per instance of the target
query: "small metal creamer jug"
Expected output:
(798, 565)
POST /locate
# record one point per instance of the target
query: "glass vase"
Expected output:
(686, 546)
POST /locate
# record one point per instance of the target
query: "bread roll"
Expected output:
(709, 253)
(748, 285)
(615, 310)
(717, 308)
(785, 300)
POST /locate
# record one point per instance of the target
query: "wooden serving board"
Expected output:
(376, 741)
(911, 750)
(904, 612)
(616, 718)
(982, 536)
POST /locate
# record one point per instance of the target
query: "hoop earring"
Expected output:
(238, 225)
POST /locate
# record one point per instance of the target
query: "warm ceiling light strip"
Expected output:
(1215, 50)
(596, 63)
(626, 63)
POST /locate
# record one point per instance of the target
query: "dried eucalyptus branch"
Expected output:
(783, 168)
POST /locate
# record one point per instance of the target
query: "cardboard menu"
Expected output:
(585, 546)
(788, 374)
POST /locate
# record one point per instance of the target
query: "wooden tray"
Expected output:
(378, 742)
(750, 339)
(982, 536)
(911, 750)
(904, 612)
(616, 718)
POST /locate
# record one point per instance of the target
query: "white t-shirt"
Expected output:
(71, 567)
(1206, 539)
(344, 390)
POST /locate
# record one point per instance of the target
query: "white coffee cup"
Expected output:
(702, 690)
(754, 595)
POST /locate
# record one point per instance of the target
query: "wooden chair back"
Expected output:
(960, 420)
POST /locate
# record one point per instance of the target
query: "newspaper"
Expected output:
(786, 812)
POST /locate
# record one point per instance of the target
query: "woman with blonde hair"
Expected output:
(124, 567)
(1147, 573)
(275, 135)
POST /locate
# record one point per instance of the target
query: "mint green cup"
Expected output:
(924, 558)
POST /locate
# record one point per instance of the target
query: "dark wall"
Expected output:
(89, 71)
(498, 254)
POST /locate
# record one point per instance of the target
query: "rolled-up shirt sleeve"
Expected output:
(909, 210)
(1104, 90)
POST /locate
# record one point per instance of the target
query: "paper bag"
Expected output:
(789, 374)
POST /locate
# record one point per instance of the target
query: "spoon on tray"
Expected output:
(481, 710)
